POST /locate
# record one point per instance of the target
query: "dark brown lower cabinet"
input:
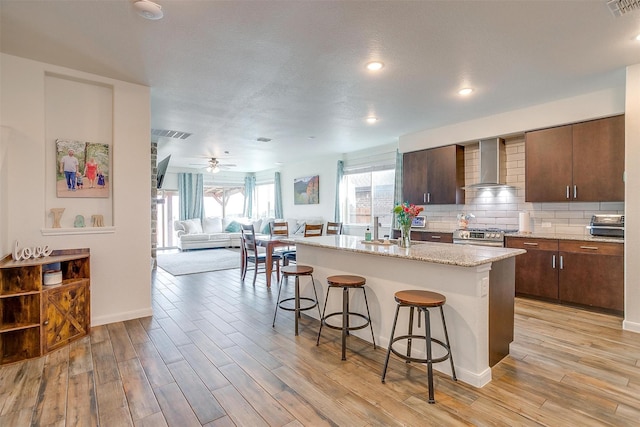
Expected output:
(592, 274)
(537, 270)
(427, 236)
(585, 273)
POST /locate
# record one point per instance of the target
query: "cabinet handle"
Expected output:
(46, 322)
(553, 262)
(593, 248)
(575, 191)
(561, 262)
(424, 197)
(428, 197)
(567, 191)
(530, 244)
(435, 237)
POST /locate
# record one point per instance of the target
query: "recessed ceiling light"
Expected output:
(148, 9)
(465, 91)
(638, 37)
(372, 119)
(375, 66)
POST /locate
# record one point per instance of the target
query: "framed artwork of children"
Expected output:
(82, 169)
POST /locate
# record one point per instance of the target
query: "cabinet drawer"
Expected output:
(590, 247)
(531, 243)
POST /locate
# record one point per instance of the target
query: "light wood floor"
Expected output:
(209, 356)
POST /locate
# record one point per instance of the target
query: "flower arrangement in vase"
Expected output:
(405, 213)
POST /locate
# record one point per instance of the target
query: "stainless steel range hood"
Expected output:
(493, 171)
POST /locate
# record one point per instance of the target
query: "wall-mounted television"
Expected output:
(162, 170)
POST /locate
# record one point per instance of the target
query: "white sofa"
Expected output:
(215, 232)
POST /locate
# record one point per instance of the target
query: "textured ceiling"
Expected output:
(229, 72)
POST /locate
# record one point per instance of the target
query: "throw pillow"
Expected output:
(193, 226)
(211, 225)
(233, 227)
(266, 227)
(300, 229)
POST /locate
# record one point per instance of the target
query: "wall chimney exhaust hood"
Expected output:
(493, 171)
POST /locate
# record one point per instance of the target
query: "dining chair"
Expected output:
(313, 230)
(250, 253)
(334, 228)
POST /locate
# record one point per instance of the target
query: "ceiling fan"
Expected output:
(215, 166)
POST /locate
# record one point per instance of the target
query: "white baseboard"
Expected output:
(631, 326)
(121, 317)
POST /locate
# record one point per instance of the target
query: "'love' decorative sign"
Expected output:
(34, 252)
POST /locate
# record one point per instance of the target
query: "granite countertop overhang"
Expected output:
(438, 253)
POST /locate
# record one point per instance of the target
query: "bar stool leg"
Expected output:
(366, 303)
(427, 331)
(313, 285)
(278, 299)
(297, 306)
(393, 330)
(324, 310)
(345, 320)
(446, 337)
(410, 333)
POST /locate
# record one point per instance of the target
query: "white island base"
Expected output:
(478, 283)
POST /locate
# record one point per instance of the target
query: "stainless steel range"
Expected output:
(480, 236)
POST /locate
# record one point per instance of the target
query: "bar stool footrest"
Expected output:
(280, 304)
(417, 360)
(350, 328)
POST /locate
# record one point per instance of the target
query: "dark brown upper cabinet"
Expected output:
(579, 162)
(434, 176)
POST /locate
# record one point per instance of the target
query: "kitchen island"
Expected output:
(477, 281)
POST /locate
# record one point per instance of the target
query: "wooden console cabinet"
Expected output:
(36, 319)
(581, 272)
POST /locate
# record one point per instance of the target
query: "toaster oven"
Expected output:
(607, 225)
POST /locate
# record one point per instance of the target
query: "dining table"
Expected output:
(270, 243)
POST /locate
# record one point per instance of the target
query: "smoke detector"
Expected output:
(148, 9)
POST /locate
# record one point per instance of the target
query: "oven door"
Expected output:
(478, 243)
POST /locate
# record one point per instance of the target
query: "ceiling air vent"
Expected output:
(620, 7)
(170, 133)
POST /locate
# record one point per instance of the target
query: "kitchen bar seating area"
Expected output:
(210, 355)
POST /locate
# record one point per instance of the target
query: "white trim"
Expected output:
(631, 326)
(78, 230)
(121, 317)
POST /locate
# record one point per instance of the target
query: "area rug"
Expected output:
(199, 261)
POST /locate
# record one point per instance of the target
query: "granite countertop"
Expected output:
(439, 253)
(554, 236)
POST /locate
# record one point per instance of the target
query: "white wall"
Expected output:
(325, 168)
(589, 106)
(120, 257)
(632, 202)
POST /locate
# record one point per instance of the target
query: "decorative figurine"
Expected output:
(57, 215)
(97, 220)
(79, 222)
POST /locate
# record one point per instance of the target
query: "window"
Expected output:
(168, 209)
(265, 206)
(369, 193)
(225, 202)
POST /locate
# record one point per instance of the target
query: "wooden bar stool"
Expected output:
(296, 271)
(346, 282)
(421, 300)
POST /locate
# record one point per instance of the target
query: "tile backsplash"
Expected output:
(501, 207)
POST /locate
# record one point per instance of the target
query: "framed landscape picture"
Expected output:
(306, 191)
(82, 169)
